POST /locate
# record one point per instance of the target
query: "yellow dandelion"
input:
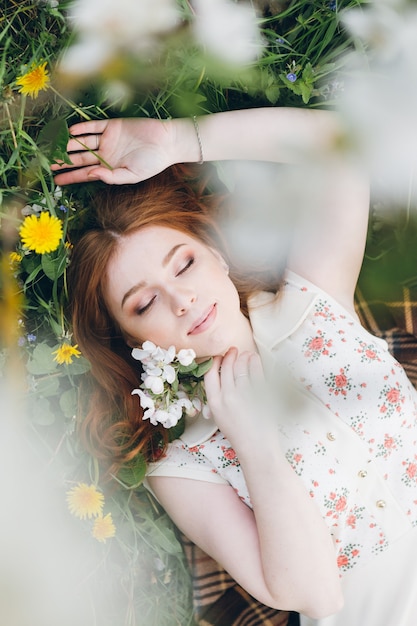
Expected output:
(103, 528)
(41, 234)
(34, 81)
(14, 259)
(65, 352)
(85, 501)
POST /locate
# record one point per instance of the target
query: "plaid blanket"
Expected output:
(218, 600)
(396, 322)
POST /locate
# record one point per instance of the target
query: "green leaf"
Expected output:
(53, 140)
(42, 360)
(196, 369)
(162, 534)
(306, 91)
(203, 368)
(48, 386)
(133, 473)
(308, 74)
(53, 267)
(177, 430)
(186, 369)
(68, 402)
(41, 412)
(272, 93)
(78, 366)
(33, 275)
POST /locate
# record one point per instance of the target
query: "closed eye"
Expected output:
(142, 310)
(186, 266)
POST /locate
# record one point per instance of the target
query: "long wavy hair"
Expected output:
(111, 426)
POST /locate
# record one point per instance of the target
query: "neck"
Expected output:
(243, 337)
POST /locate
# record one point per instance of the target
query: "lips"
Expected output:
(204, 322)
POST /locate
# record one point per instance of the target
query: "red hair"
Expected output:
(112, 428)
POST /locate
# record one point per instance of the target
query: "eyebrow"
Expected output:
(142, 283)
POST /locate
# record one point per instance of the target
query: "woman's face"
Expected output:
(169, 288)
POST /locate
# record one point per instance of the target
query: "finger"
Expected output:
(78, 159)
(227, 369)
(84, 142)
(241, 368)
(212, 378)
(117, 176)
(256, 371)
(70, 176)
(89, 128)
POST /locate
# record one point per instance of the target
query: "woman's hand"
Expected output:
(238, 398)
(123, 150)
(293, 554)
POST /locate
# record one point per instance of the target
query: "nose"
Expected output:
(182, 300)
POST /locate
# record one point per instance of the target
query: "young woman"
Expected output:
(306, 493)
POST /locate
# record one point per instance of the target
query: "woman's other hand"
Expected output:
(238, 397)
(125, 150)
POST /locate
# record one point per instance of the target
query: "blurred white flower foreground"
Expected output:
(225, 30)
(40, 581)
(380, 99)
(105, 27)
(228, 31)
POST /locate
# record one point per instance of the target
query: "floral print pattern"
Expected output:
(358, 458)
(348, 556)
(228, 457)
(338, 382)
(295, 459)
(318, 346)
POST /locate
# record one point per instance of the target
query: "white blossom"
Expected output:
(186, 404)
(146, 403)
(168, 418)
(105, 28)
(144, 354)
(380, 98)
(206, 413)
(228, 30)
(186, 356)
(163, 395)
(32, 209)
(155, 384)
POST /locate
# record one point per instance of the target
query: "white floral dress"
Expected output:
(353, 442)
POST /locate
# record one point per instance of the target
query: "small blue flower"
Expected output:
(333, 5)
(291, 77)
(279, 40)
(63, 208)
(21, 342)
(31, 338)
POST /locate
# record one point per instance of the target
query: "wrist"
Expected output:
(186, 146)
(255, 450)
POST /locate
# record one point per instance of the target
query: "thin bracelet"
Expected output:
(200, 145)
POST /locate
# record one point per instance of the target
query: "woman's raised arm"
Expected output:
(329, 243)
(129, 150)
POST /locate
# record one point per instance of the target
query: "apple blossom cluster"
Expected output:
(172, 384)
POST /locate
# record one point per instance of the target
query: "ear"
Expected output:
(220, 259)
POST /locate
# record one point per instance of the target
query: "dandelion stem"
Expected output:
(71, 104)
(93, 152)
(14, 139)
(9, 119)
